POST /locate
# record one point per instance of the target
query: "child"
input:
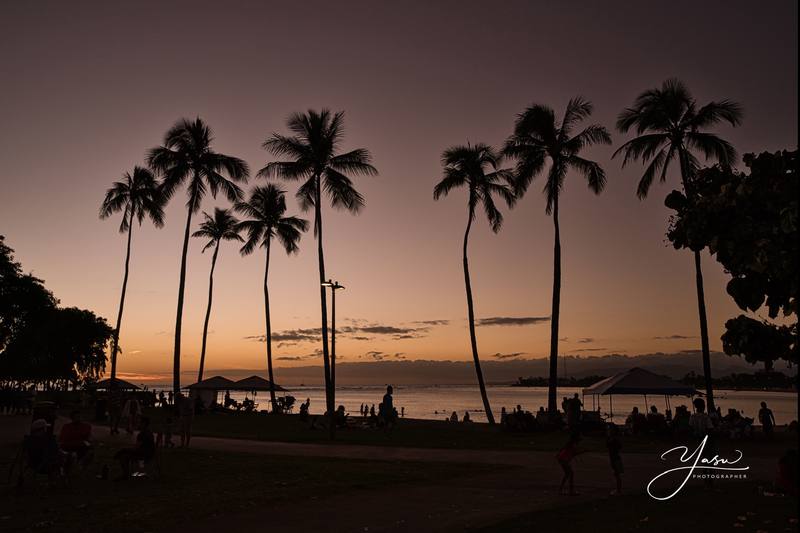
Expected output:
(614, 447)
(565, 457)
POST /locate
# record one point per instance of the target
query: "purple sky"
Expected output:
(88, 87)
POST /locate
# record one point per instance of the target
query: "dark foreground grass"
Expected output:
(440, 434)
(193, 485)
(729, 507)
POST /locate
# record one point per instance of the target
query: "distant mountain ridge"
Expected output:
(427, 372)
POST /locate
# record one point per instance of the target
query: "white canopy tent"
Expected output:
(637, 381)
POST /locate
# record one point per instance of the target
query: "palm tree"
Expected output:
(314, 158)
(669, 125)
(186, 154)
(223, 226)
(266, 209)
(537, 138)
(477, 168)
(137, 196)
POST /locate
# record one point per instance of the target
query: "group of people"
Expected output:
(699, 425)
(734, 424)
(44, 453)
(521, 420)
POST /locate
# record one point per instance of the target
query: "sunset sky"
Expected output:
(88, 87)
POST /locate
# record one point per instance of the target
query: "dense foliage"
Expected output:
(748, 221)
(41, 343)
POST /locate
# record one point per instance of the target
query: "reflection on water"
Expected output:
(437, 402)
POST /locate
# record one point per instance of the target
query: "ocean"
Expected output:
(431, 402)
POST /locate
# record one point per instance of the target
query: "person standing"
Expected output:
(767, 419)
(185, 418)
(114, 408)
(614, 446)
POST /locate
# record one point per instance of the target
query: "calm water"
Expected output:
(437, 402)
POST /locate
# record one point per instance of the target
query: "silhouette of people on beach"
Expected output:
(767, 419)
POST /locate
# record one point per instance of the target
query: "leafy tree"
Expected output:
(223, 226)
(477, 168)
(670, 125)
(537, 138)
(186, 156)
(313, 157)
(749, 222)
(41, 343)
(266, 221)
(20, 295)
(136, 196)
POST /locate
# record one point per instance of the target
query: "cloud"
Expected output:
(360, 331)
(507, 355)
(432, 322)
(585, 340)
(291, 357)
(512, 321)
(674, 337)
(386, 330)
(133, 352)
(374, 354)
(593, 350)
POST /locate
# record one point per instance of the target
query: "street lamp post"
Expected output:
(334, 286)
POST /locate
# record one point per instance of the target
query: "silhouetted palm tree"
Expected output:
(266, 209)
(314, 158)
(187, 155)
(537, 138)
(137, 196)
(670, 125)
(223, 226)
(477, 169)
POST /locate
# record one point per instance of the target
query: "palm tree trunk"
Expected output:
(471, 312)
(329, 393)
(208, 313)
(176, 365)
(552, 385)
(701, 300)
(115, 344)
(701, 307)
(269, 332)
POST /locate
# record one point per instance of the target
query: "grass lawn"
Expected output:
(732, 507)
(194, 484)
(440, 434)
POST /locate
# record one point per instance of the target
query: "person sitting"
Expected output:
(466, 418)
(143, 451)
(503, 417)
(541, 415)
(304, 410)
(75, 438)
(454, 417)
(340, 417)
(40, 451)
(635, 421)
(656, 423)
